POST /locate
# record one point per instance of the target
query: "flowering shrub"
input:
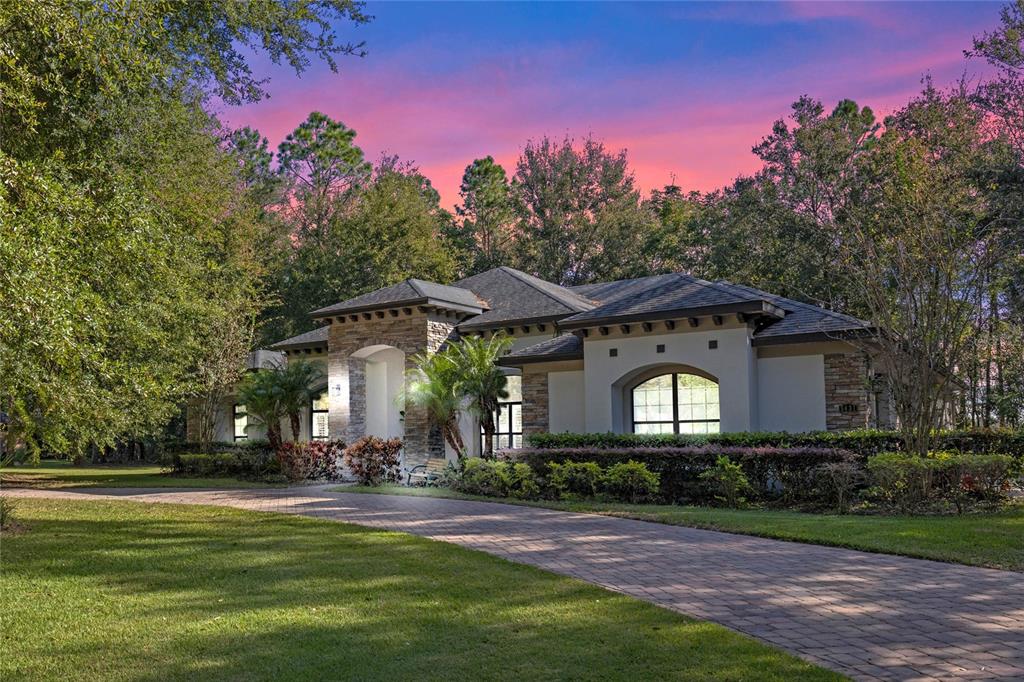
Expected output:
(374, 461)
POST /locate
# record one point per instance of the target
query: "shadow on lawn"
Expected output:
(176, 593)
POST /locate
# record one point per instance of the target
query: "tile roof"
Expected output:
(514, 296)
(802, 318)
(313, 338)
(659, 295)
(564, 347)
(409, 292)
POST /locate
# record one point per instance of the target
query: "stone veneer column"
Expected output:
(535, 402)
(412, 332)
(847, 396)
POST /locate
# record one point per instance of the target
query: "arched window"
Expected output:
(676, 403)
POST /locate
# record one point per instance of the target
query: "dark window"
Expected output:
(676, 403)
(241, 422)
(508, 419)
(613, 352)
(660, 348)
(318, 416)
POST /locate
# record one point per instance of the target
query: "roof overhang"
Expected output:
(755, 309)
(488, 325)
(324, 313)
(511, 361)
(813, 337)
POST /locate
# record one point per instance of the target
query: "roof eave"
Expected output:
(812, 337)
(405, 303)
(764, 307)
(510, 361)
(471, 325)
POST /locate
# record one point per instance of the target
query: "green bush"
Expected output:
(574, 479)
(484, 477)
(251, 464)
(908, 482)
(786, 475)
(522, 482)
(630, 482)
(728, 481)
(864, 442)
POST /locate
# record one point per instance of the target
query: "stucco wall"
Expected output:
(566, 402)
(791, 393)
(733, 363)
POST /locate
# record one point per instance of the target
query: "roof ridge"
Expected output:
(526, 278)
(411, 281)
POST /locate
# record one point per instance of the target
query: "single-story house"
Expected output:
(663, 354)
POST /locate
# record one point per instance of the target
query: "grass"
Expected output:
(50, 474)
(995, 540)
(120, 590)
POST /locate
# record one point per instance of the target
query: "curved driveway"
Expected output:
(871, 616)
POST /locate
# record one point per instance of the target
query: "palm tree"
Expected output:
(260, 392)
(434, 386)
(481, 380)
(296, 380)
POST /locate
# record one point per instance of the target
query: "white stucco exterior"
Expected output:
(566, 398)
(384, 381)
(791, 393)
(733, 364)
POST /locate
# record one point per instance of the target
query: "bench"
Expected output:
(425, 474)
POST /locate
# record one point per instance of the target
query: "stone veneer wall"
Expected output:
(412, 332)
(846, 376)
(535, 402)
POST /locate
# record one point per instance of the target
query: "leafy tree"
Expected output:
(481, 380)
(121, 216)
(260, 392)
(296, 380)
(487, 216)
(322, 165)
(575, 208)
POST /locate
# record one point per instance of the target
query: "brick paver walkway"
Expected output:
(870, 616)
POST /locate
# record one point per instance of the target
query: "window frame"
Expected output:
(235, 414)
(313, 412)
(676, 421)
(510, 432)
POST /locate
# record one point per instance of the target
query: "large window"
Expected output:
(508, 419)
(241, 422)
(676, 403)
(319, 410)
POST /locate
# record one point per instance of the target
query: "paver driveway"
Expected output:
(870, 616)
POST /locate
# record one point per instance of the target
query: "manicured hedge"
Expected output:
(785, 474)
(864, 442)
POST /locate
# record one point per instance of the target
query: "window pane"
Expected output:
(503, 441)
(514, 386)
(517, 441)
(653, 428)
(652, 400)
(517, 418)
(698, 400)
(241, 422)
(321, 402)
(320, 430)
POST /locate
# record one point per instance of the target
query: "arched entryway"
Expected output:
(383, 377)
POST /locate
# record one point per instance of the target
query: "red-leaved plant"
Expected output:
(374, 461)
(311, 460)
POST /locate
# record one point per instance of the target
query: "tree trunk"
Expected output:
(274, 436)
(294, 418)
(454, 438)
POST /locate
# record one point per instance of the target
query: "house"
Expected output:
(662, 354)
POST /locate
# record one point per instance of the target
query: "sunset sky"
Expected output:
(687, 89)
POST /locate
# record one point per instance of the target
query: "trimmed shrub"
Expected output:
(243, 463)
(864, 442)
(484, 477)
(374, 461)
(522, 482)
(574, 478)
(311, 460)
(775, 474)
(909, 481)
(630, 482)
(727, 480)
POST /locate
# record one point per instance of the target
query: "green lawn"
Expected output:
(121, 590)
(65, 475)
(994, 539)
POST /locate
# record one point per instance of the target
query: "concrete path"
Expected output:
(870, 616)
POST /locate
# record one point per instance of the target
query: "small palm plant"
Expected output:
(434, 386)
(482, 381)
(260, 392)
(296, 381)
